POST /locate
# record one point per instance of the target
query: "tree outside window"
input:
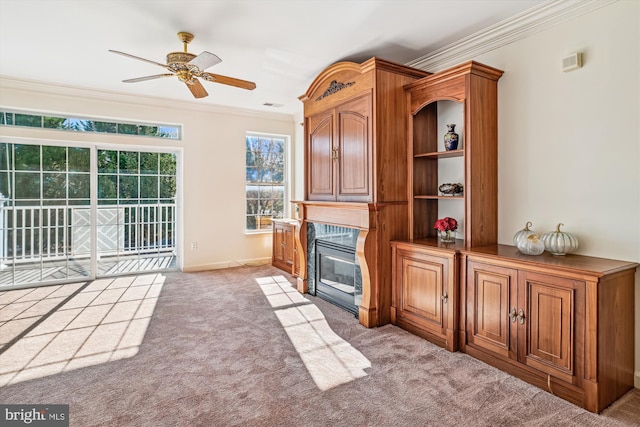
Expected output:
(265, 180)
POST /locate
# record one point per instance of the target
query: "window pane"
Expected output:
(107, 186)
(253, 192)
(79, 159)
(79, 185)
(167, 164)
(27, 185)
(251, 222)
(105, 127)
(252, 206)
(6, 156)
(266, 192)
(148, 130)
(266, 207)
(107, 161)
(5, 184)
(149, 163)
(251, 158)
(28, 120)
(167, 187)
(127, 129)
(54, 186)
(27, 157)
(128, 187)
(54, 158)
(252, 174)
(53, 122)
(9, 119)
(149, 187)
(128, 162)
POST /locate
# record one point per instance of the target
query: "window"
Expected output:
(76, 124)
(266, 183)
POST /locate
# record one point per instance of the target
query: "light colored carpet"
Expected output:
(238, 347)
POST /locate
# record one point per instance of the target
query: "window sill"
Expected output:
(257, 232)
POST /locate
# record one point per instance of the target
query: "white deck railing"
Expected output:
(33, 233)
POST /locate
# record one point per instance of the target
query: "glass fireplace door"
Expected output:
(336, 275)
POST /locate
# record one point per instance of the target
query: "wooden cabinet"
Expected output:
(564, 324)
(284, 254)
(340, 152)
(425, 291)
(355, 132)
(356, 169)
(465, 95)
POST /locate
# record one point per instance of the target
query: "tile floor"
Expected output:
(51, 329)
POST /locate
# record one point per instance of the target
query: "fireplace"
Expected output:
(367, 228)
(333, 267)
(336, 274)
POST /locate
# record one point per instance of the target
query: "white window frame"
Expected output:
(286, 180)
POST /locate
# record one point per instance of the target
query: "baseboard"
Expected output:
(227, 264)
(636, 379)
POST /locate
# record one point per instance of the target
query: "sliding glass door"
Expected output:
(54, 228)
(136, 211)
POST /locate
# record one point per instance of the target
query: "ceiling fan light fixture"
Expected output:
(187, 67)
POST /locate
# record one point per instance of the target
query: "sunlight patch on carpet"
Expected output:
(104, 322)
(330, 360)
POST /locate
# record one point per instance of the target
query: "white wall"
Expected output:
(569, 143)
(213, 153)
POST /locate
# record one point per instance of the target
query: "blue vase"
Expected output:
(451, 138)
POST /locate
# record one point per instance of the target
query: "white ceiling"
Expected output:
(281, 45)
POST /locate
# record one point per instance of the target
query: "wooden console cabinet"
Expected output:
(425, 291)
(562, 323)
(285, 253)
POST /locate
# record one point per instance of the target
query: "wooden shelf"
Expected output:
(440, 154)
(438, 197)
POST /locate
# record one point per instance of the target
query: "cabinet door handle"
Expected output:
(334, 153)
(444, 297)
(512, 314)
(521, 316)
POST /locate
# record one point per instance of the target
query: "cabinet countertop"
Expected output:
(573, 262)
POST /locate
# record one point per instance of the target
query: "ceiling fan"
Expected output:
(188, 67)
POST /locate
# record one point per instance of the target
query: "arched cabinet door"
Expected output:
(320, 160)
(353, 157)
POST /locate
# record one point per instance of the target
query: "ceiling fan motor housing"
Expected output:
(179, 57)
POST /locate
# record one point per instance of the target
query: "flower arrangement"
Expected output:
(445, 226)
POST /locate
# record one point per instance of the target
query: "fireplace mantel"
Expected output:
(378, 223)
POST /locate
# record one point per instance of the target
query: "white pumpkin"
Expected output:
(531, 245)
(523, 234)
(560, 243)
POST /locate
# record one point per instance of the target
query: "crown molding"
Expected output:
(534, 20)
(38, 87)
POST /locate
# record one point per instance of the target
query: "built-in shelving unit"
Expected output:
(466, 96)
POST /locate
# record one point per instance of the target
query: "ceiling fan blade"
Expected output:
(138, 58)
(141, 79)
(205, 60)
(243, 84)
(197, 89)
